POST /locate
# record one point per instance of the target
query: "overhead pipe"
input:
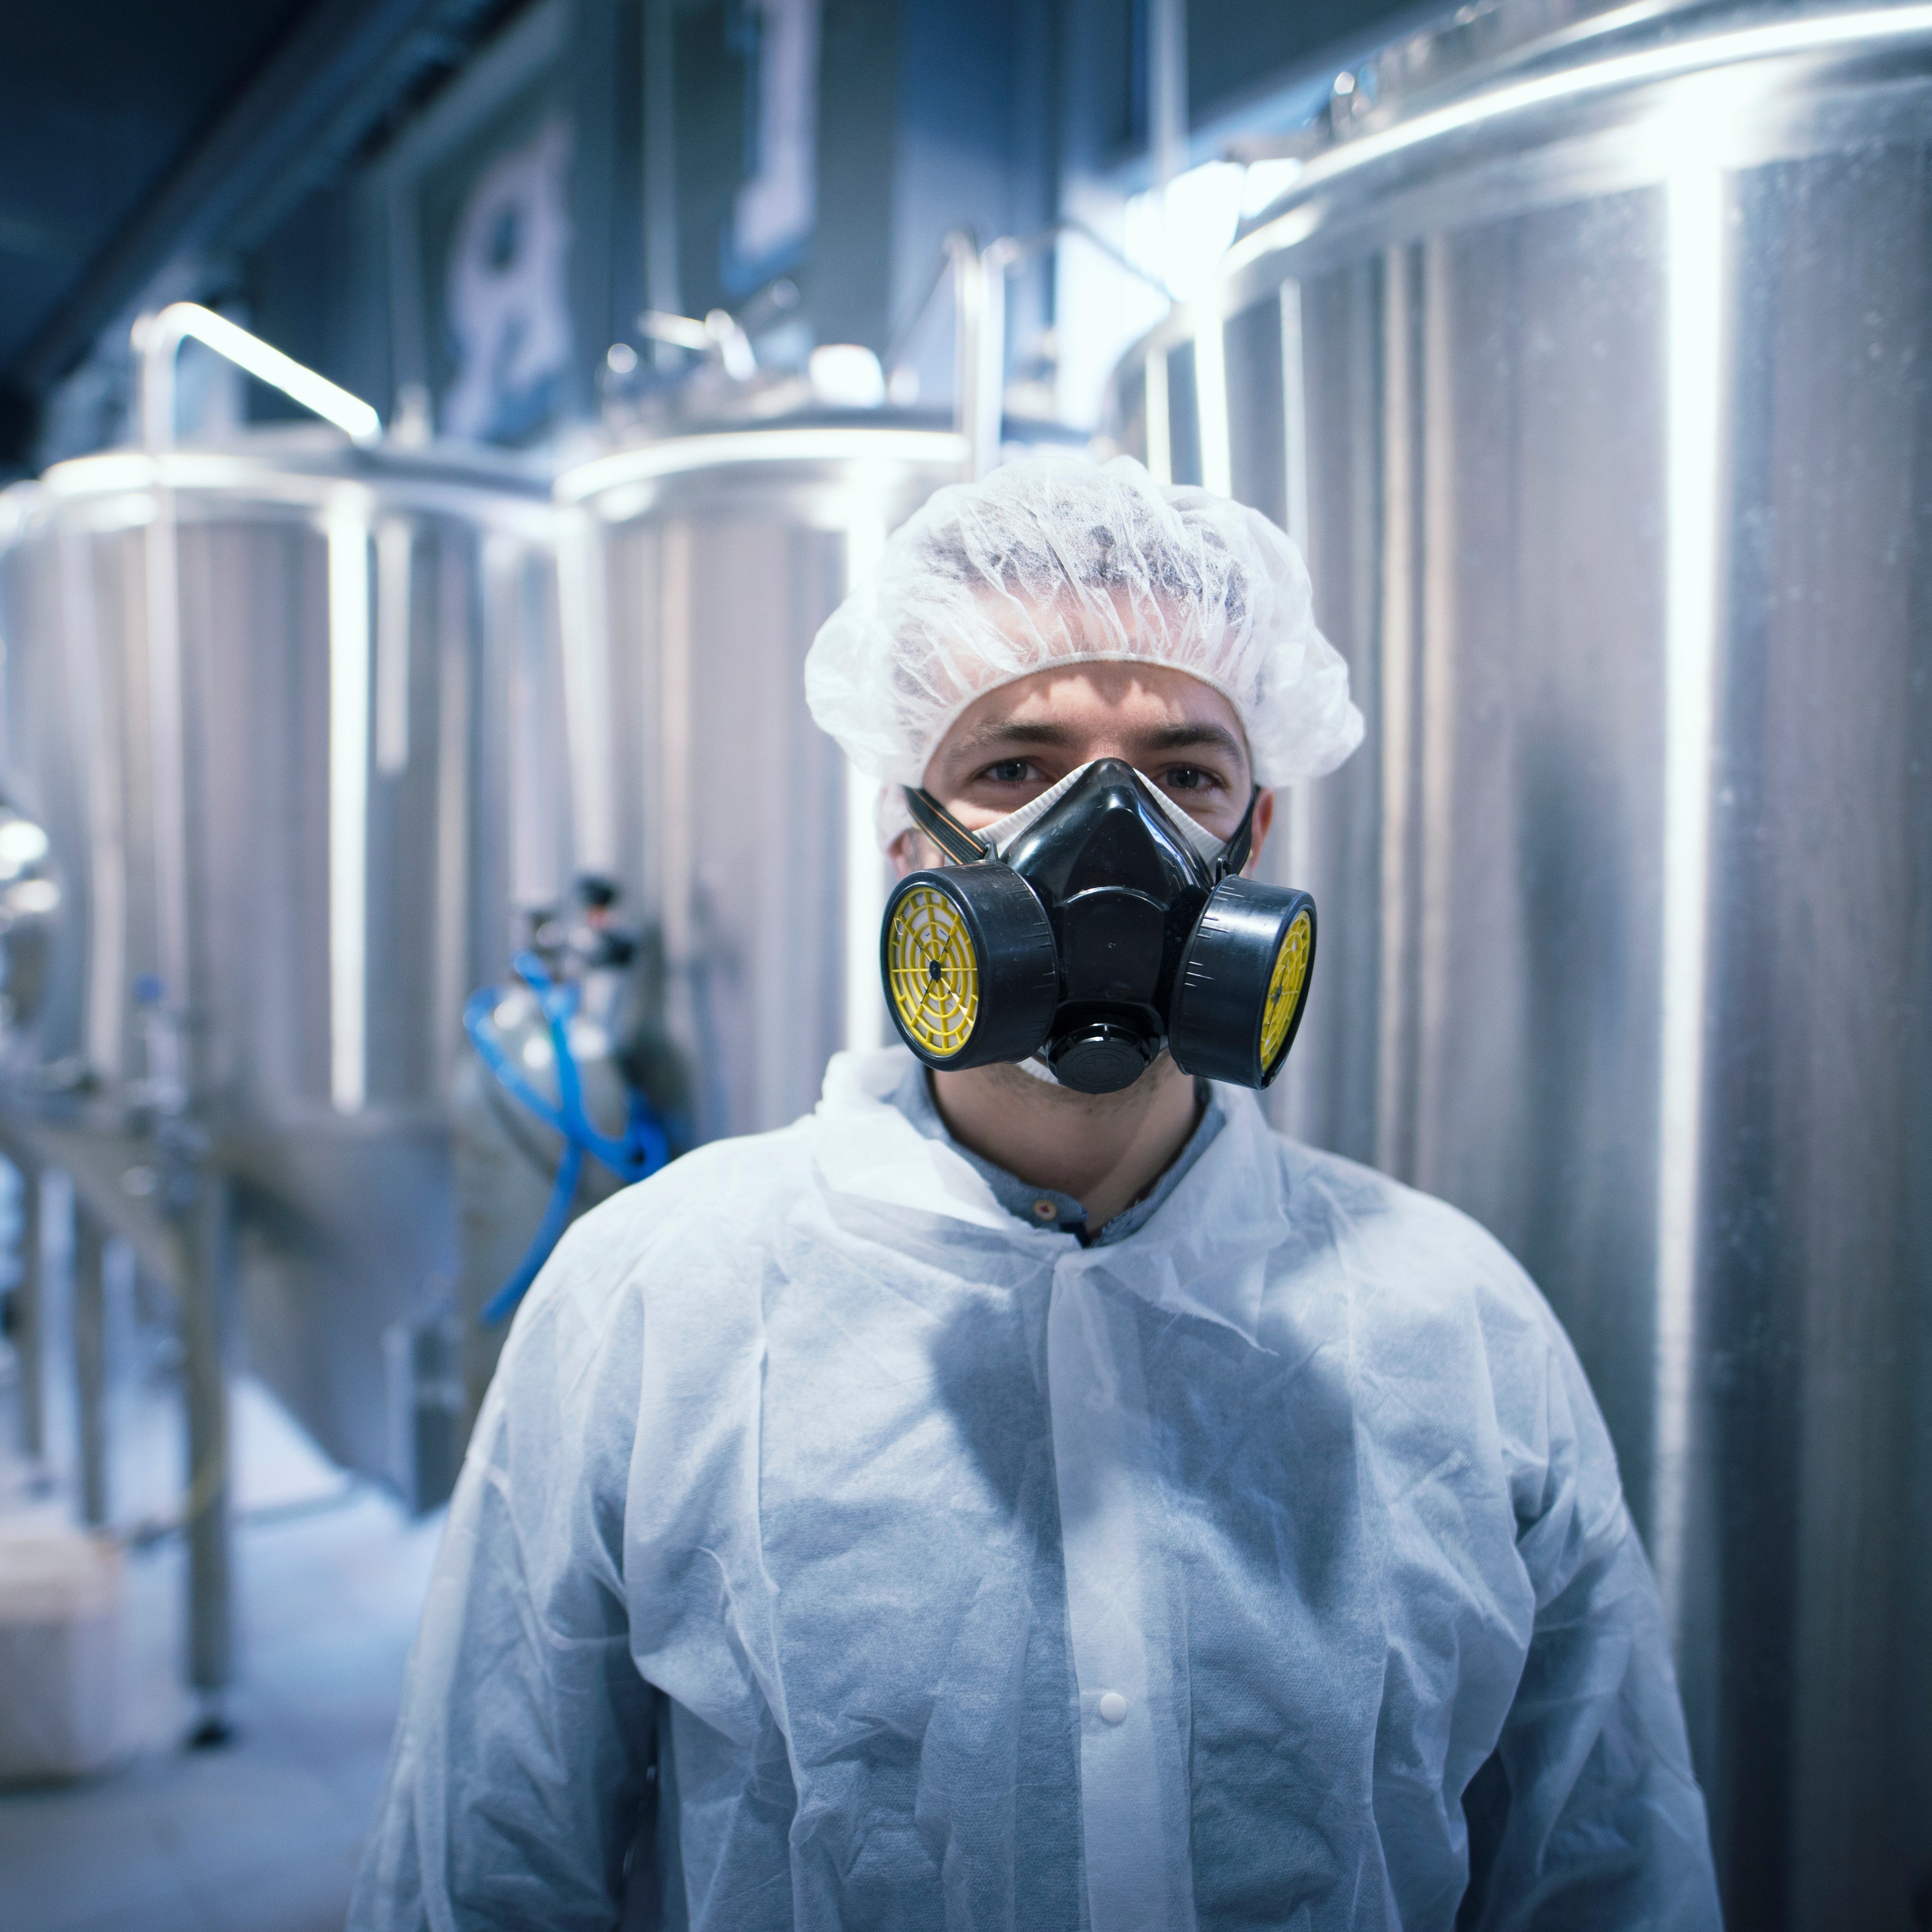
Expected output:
(157, 341)
(661, 222)
(979, 278)
(719, 334)
(1167, 90)
(979, 350)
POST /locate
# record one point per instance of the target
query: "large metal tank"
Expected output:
(696, 570)
(290, 712)
(1589, 355)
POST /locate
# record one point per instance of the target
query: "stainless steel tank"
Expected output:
(1589, 355)
(696, 571)
(290, 712)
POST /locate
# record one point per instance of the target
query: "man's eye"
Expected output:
(1009, 771)
(1189, 777)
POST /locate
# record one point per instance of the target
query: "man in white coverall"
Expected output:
(988, 1505)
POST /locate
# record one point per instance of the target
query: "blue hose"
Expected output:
(642, 1150)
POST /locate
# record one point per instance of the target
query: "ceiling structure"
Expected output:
(140, 144)
(146, 148)
(100, 101)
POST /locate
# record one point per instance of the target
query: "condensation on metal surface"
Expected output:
(1600, 392)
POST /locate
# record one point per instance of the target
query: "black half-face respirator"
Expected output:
(1088, 930)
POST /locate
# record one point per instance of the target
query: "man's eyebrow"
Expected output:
(1012, 733)
(1015, 731)
(1187, 737)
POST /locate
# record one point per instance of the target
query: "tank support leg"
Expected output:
(207, 1282)
(30, 1320)
(90, 1365)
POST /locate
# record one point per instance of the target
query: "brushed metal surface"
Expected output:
(291, 711)
(708, 564)
(1598, 392)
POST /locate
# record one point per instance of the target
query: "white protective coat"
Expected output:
(1268, 1567)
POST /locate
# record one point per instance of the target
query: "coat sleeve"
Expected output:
(523, 1748)
(1587, 1814)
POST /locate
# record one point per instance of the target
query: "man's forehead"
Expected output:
(1147, 709)
(1156, 733)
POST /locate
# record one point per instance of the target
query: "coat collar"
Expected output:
(1204, 1252)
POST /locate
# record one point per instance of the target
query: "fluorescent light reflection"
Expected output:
(348, 413)
(1265, 182)
(1211, 396)
(678, 455)
(584, 628)
(1159, 425)
(348, 807)
(394, 546)
(1874, 27)
(866, 880)
(1694, 352)
(1178, 234)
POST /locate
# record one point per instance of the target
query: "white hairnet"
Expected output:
(1051, 562)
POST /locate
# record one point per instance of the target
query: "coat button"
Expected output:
(1113, 1707)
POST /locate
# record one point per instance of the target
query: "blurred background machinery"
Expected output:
(279, 703)
(1586, 357)
(571, 1089)
(708, 561)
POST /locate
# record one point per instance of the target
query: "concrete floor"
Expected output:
(262, 1835)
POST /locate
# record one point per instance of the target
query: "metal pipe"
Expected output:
(979, 325)
(157, 341)
(90, 1364)
(989, 351)
(981, 412)
(969, 309)
(165, 720)
(204, 1237)
(678, 332)
(978, 286)
(348, 708)
(719, 334)
(660, 224)
(1167, 89)
(902, 336)
(30, 1319)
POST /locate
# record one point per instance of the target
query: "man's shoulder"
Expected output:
(1408, 1254)
(1446, 1336)
(685, 1225)
(726, 1191)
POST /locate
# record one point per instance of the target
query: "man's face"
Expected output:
(1012, 744)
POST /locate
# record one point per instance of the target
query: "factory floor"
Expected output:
(261, 1835)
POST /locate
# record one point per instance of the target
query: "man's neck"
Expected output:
(1106, 1150)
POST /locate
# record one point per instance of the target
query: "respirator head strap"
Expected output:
(945, 831)
(1234, 854)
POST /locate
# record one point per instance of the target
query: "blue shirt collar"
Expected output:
(1047, 1207)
